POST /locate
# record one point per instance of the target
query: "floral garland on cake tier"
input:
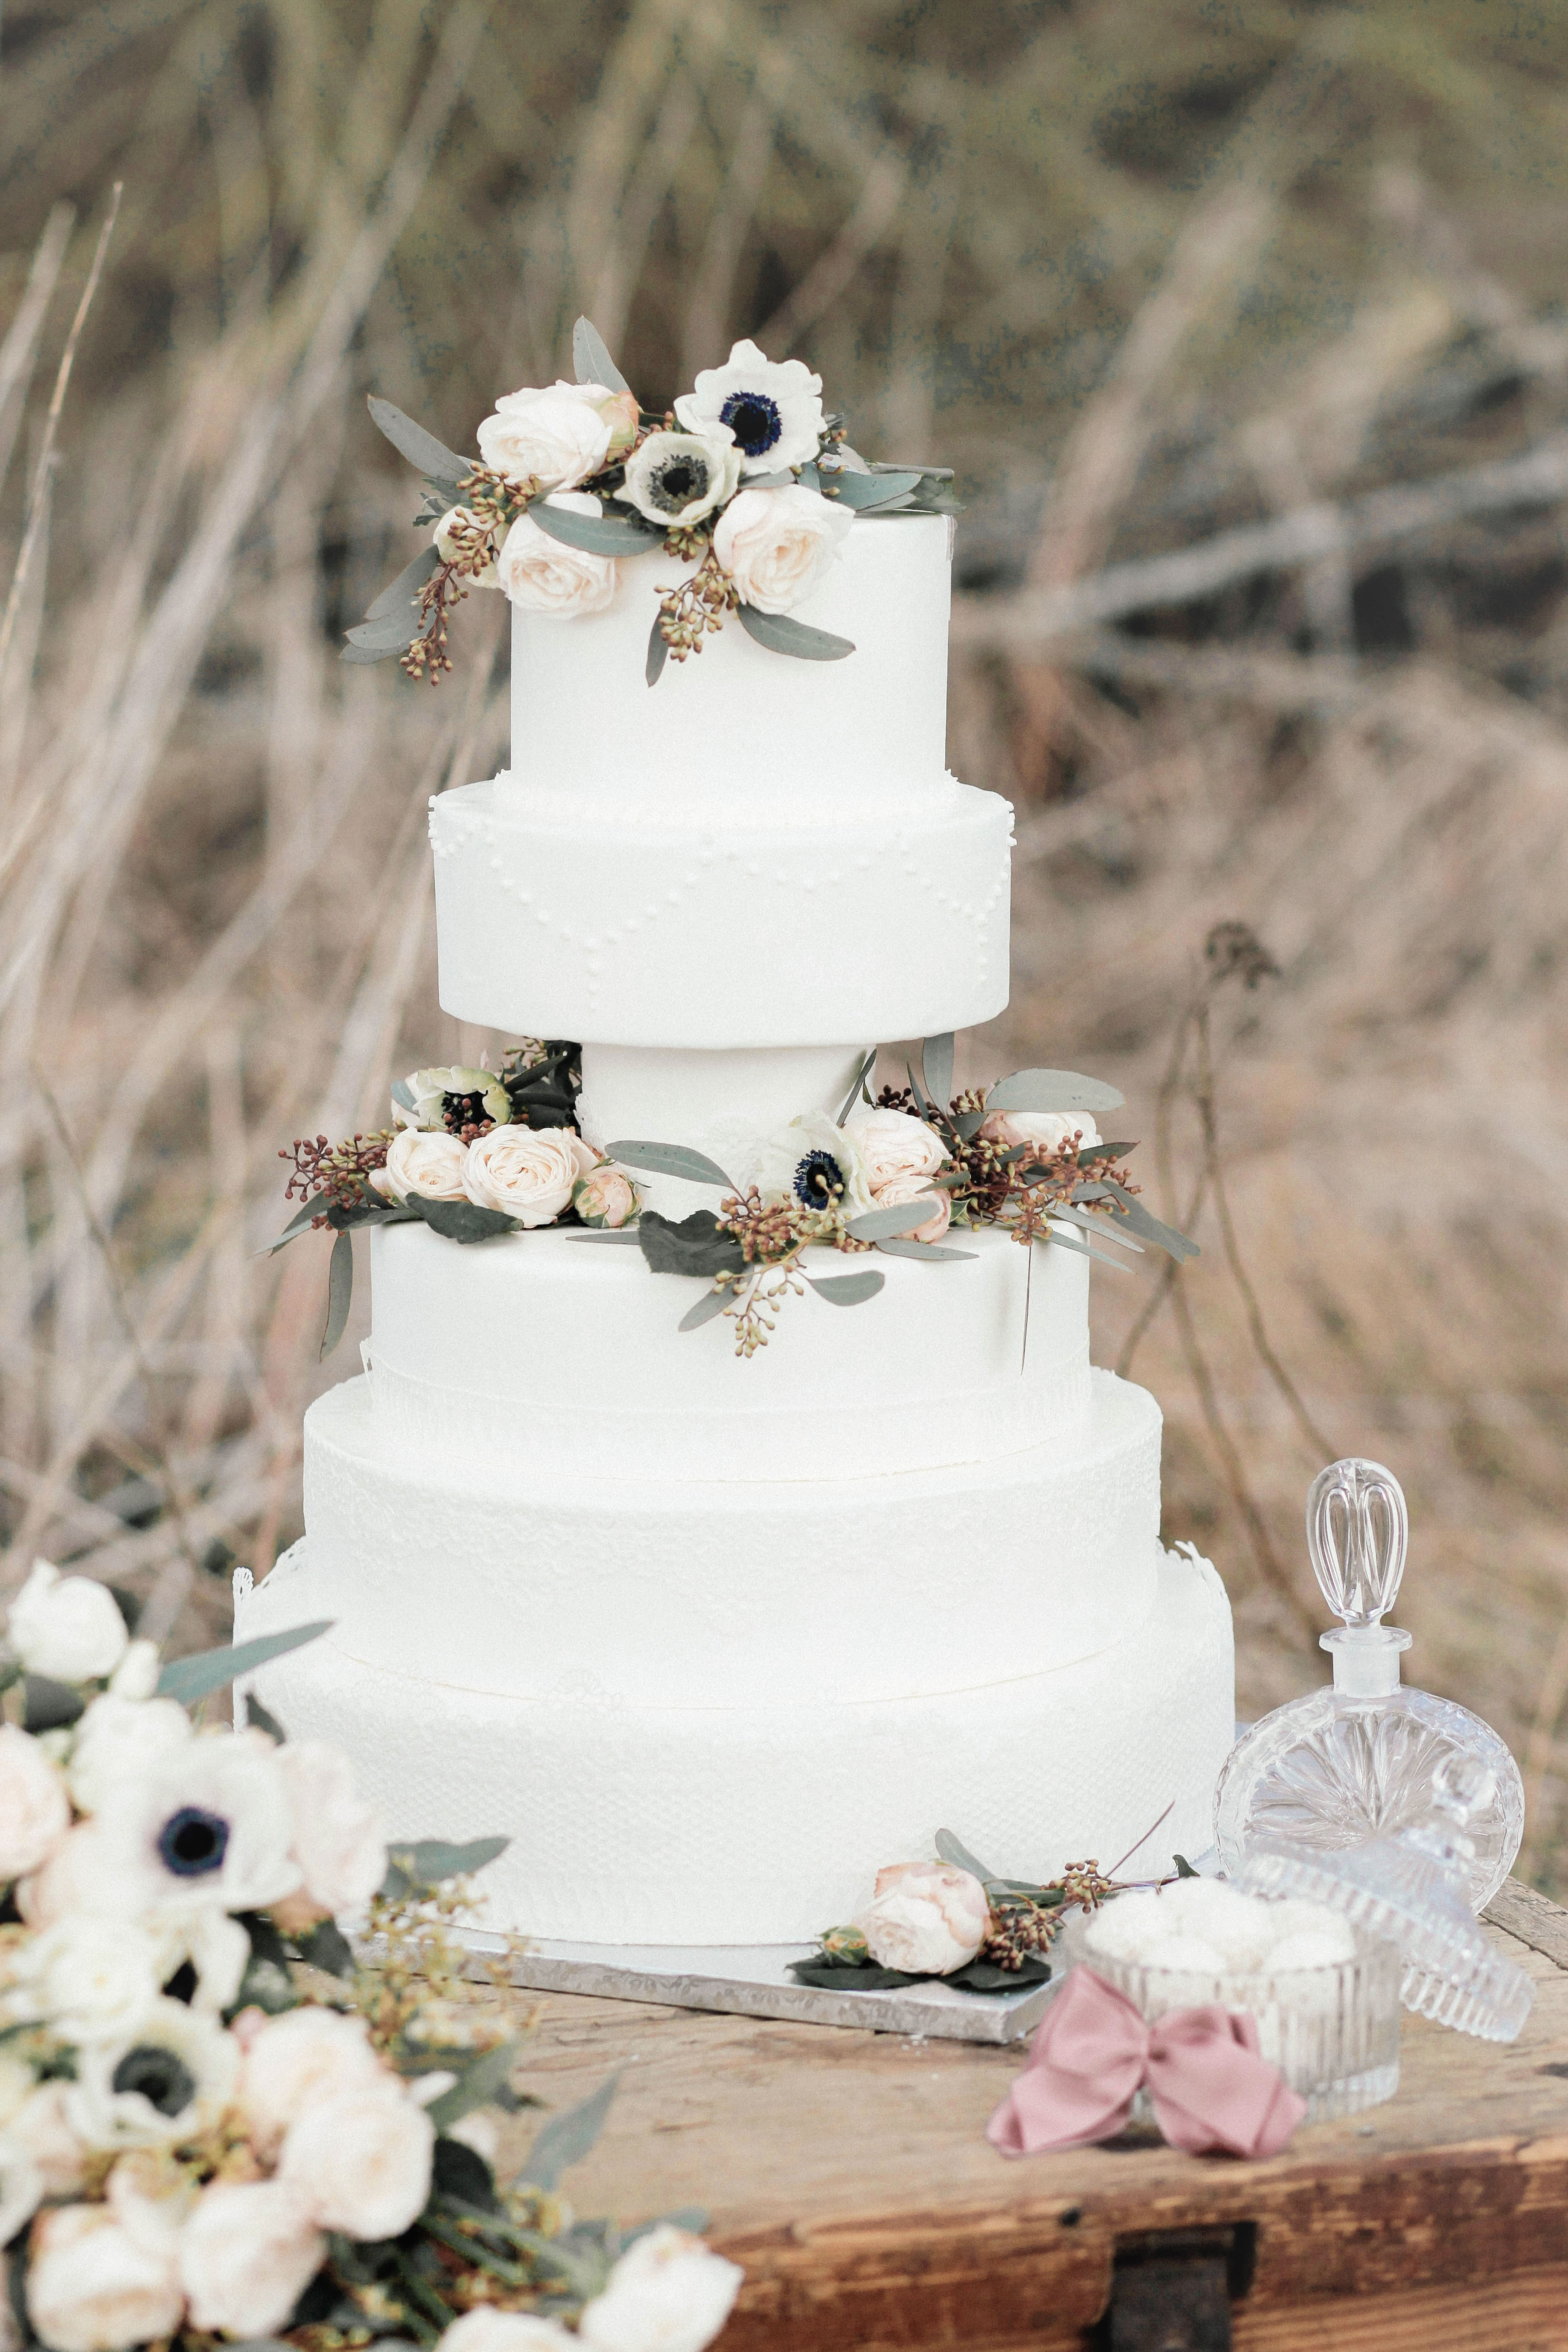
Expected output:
(476, 1153)
(747, 479)
(197, 2139)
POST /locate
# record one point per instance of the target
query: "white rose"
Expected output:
(43, 2128)
(928, 1918)
(675, 478)
(362, 2161)
(89, 1979)
(811, 1162)
(339, 1841)
(528, 1173)
(136, 1675)
(543, 576)
(668, 2294)
(893, 1144)
(1049, 1130)
(34, 1811)
(899, 1190)
(297, 2061)
(66, 1627)
(429, 1164)
(91, 2287)
(450, 551)
(555, 436)
(776, 545)
(21, 2188)
(605, 1197)
(119, 1738)
(247, 2256)
(488, 2330)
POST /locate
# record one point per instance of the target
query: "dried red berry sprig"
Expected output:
(337, 1173)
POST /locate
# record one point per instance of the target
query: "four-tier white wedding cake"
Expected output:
(712, 1640)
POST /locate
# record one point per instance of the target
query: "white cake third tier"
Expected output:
(712, 1640)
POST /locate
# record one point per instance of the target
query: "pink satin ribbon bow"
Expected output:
(1209, 2088)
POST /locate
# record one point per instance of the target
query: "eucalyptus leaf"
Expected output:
(658, 651)
(430, 1861)
(189, 1679)
(878, 1224)
(926, 473)
(1149, 1228)
(968, 1124)
(846, 1289)
(404, 595)
(1082, 1249)
(390, 633)
(595, 534)
(986, 1976)
(696, 1245)
(950, 1849)
(871, 489)
(896, 1246)
(300, 1222)
(326, 1946)
(936, 1061)
(1105, 1227)
(862, 1074)
(462, 1220)
(626, 1234)
(714, 1303)
(670, 1160)
(48, 1705)
(261, 1719)
(475, 2086)
(592, 360)
(835, 1976)
(1184, 1867)
(420, 448)
(567, 2138)
(365, 654)
(783, 480)
(1052, 1090)
(918, 1091)
(339, 1294)
(403, 1094)
(780, 635)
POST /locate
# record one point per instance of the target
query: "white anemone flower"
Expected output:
(677, 478)
(205, 1827)
(469, 1097)
(773, 408)
(160, 2086)
(813, 1163)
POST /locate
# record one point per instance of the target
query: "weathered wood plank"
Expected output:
(1530, 1917)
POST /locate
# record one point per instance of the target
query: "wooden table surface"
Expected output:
(850, 2174)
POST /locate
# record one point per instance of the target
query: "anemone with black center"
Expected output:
(162, 2078)
(680, 478)
(461, 1113)
(754, 421)
(193, 1843)
(819, 1181)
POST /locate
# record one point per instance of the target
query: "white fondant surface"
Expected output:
(552, 1355)
(739, 1823)
(736, 735)
(555, 919)
(532, 1583)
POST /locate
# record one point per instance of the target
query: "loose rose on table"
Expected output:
(927, 1919)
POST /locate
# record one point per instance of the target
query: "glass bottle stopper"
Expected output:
(1358, 1532)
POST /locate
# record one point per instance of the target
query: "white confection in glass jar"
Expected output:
(1325, 1995)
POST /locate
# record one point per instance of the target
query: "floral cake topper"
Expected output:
(747, 481)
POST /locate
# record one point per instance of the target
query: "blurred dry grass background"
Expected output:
(1182, 290)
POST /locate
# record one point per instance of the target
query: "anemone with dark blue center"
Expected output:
(819, 1181)
(163, 2079)
(192, 1842)
(754, 421)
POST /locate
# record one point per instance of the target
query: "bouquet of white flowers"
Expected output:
(201, 2137)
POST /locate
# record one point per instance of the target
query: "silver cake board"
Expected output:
(753, 1980)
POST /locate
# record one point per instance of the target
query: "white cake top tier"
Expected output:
(737, 734)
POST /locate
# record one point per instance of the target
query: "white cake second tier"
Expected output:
(530, 1584)
(557, 1358)
(738, 1825)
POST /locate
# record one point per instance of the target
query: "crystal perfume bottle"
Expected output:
(1355, 1762)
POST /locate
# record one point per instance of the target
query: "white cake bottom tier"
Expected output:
(562, 1357)
(546, 1585)
(765, 1824)
(745, 930)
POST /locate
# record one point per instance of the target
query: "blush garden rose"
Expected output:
(541, 575)
(777, 545)
(527, 1173)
